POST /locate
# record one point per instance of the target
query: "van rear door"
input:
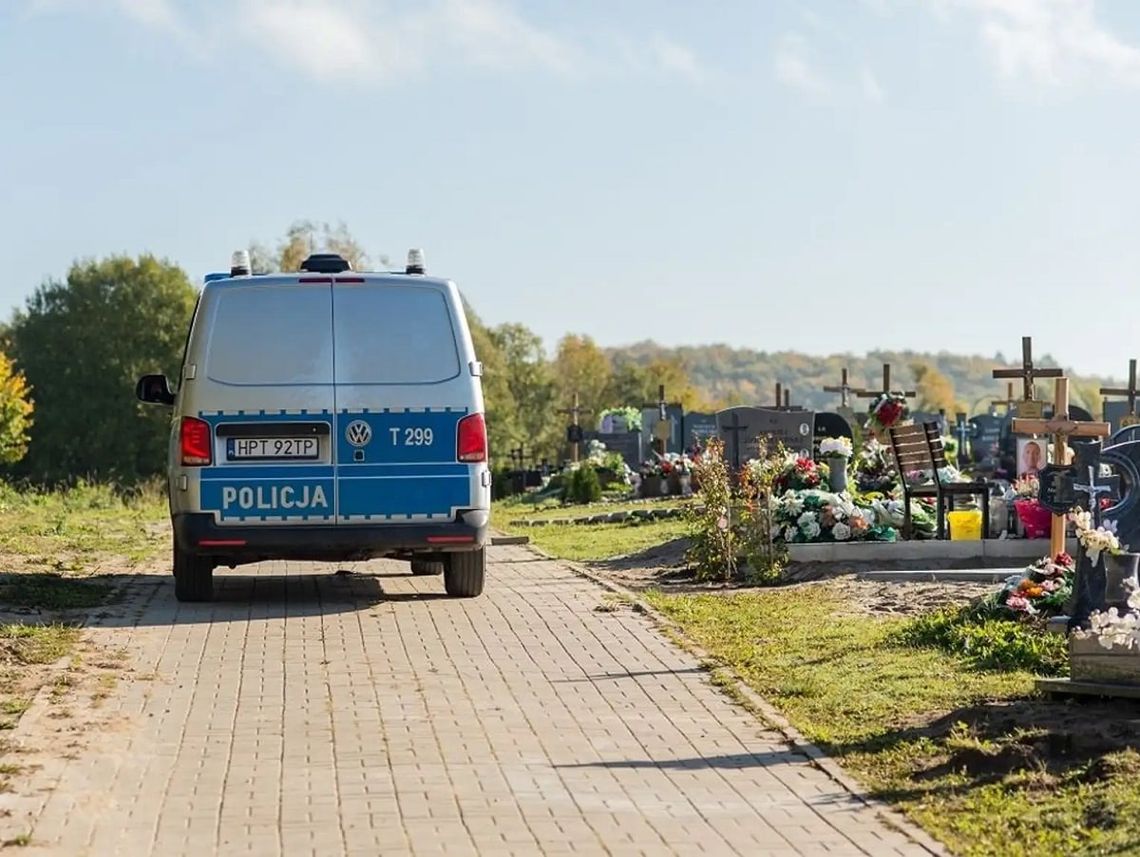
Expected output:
(266, 390)
(402, 389)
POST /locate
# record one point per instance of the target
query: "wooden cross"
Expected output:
(1130, 392)
(872, 394)
(736, 430)
(575, 431)
(1062, 428)
(519, 455)
(1008, 401)
(1028, 374)
(663, 430)
(844, 389)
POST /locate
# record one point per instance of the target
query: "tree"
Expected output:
(15, 413)
(304, 237)
(82, 344)
(581, 368)
(532, 388)
(935, 390)
(498, 400)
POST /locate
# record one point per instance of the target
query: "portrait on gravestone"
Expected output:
(1030, 457)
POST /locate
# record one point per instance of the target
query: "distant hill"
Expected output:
(728, 375)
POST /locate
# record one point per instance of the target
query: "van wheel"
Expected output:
(426, 567)
(463, 573)
(193, 577)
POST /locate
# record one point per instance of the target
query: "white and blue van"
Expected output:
(327, 415)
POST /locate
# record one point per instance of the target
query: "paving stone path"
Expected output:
(308, 712)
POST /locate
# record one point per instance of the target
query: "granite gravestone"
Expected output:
(1091, 589)
(627, 443)
(829, 424)
(741, 427)
(699, 427)
(1116, 413)
(986, 433)
(674, 415)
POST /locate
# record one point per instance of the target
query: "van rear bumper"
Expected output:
(199, 534)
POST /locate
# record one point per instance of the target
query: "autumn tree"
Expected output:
(15, 413)
(582, 368)
(935, 391)
(531, 382)
(305, 237)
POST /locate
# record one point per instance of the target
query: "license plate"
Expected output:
(272, 448)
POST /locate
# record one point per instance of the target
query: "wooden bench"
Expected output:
(919, 448)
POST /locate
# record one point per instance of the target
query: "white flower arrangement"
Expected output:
(1096, 540)
(841, 532)
(1112, 628)
(836, 447)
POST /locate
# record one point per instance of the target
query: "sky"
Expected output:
(820, 176)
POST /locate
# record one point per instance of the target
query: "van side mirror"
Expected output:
(154, 390)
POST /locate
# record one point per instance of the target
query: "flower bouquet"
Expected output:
(889, 409)
(1035, 519)
(799, 473)
(800, 517)
(1041, 590)
(836, 447)
(873, 468)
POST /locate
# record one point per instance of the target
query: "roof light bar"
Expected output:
(415, 261)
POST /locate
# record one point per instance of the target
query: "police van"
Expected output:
(327, 415)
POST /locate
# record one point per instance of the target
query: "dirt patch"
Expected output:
(664, 567)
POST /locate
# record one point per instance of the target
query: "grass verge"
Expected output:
(967, 751)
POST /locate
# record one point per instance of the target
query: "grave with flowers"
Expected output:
(1102, 616)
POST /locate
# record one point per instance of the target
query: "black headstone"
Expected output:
(740, 428)
(699, 427)
(986, 434)
(828, 424)
(628, 443)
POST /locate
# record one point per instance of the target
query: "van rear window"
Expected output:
(393, 334)
(271, 335)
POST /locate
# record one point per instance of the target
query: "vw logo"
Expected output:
(358, 433)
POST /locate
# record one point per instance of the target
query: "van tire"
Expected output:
(463, 573)
(193, 577)
(425, 567)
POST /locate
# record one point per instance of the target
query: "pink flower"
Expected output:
(1016, 602)
(1051, 585)
(722, 523)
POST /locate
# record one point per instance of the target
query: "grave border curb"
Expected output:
(759, 707)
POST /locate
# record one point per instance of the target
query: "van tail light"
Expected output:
(472, 443)
(196, 446)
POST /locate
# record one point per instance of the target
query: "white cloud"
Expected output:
(872, 89)
(674, 57)
(367, 41)
(793, 67)
(1054, 42)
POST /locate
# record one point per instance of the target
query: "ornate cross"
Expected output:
(735, 429)
(1028, 374)
(1130, 391)
(1088, 459)
(663, 430)
(844, 389)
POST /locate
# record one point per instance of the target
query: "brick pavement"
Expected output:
(306, 712)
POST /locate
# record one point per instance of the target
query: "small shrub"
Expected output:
(582, 487)
(988, 642)
(712, 546)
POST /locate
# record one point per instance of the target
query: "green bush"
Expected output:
(986, 641)
(582, 487)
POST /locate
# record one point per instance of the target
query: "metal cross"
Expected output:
(1130, 391)
(844, 390)
(1093, 490)
(962, 429)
